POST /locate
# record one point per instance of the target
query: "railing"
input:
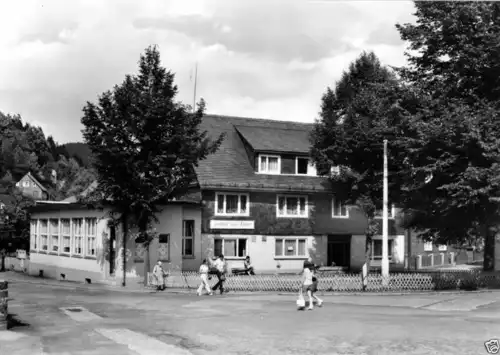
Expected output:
(397, 282)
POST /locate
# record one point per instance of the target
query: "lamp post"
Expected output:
(385, 222)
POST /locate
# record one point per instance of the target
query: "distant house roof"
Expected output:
(230, 167)
(35, 180)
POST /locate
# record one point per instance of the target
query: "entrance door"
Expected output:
(112, 251)
(339, 250)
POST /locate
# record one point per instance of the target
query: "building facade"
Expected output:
(73, 242)
(262, 197)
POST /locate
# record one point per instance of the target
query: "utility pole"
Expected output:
(385, 222)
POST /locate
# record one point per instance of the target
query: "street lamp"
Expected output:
(385, 222)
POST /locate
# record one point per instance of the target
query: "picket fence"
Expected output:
(397, 282)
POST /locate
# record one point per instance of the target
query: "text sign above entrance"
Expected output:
(216, 224)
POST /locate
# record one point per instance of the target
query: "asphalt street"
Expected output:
(63, 320)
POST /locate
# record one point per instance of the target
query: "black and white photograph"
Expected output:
(249, 177)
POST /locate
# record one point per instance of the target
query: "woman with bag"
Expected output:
(221, 266)
(308, 286)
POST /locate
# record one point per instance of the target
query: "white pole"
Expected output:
(385, 221)
(195, 82)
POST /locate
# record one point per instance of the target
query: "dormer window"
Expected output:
(26, 183)
(269, 164)
(304, 166)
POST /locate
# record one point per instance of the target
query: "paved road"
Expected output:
(107, 322)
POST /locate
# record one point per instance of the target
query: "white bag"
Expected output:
(301, 302)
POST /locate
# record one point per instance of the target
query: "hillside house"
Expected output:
(32, 187)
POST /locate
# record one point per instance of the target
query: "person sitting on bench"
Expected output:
(248, 266)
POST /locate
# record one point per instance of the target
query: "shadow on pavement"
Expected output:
(14, 322)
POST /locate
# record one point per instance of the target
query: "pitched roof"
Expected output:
(265, 139)
(35, 180)
(230, 166)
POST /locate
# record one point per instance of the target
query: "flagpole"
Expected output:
(195, 82)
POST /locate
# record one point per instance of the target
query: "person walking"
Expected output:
(221, 270)
(308, 286)
(204, 279)
(159, 275)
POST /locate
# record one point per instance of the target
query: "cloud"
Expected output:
(257, 58)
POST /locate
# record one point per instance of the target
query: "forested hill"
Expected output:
(24, 148)
(79, 151)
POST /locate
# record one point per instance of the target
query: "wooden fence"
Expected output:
(397, 282)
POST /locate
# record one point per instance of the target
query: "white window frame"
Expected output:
(64, 235)
(52, 234)
(26, 183)
(442, 247)
(238, 213)
(90, 235)
(77, 236)
(285, 215)
(34, 234)
(44, 235)
(311, 169)
(391, 212)
(283, 251)
(390, 251)
(428, 246)
(267, 156)
(333, 209)
(223, 238)
(184, 237)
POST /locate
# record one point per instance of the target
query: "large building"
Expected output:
(258, 195)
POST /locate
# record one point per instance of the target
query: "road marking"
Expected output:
(140, 343)
(80, 314)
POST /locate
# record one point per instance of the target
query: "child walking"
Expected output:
(204, 279)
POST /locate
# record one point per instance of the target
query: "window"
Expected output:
(164, 247)
(26, 183)
(2, 206)
(187, 238)
(335, 170)
(304, 166)
(390, 212)
(36, 194)
(44, 241)
(442, 247)
(339, 210)
(90, 234)
(292, 206)
(428, 246)
(54, 235)
(66, 235)
(231, 247)
(33, 234)
(231, 204)
(377, 249)
(269, 164)
(77, 234)
(290, 247)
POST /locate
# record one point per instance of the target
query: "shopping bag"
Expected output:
(301, 302)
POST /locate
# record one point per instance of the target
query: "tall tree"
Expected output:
(453, 54)
(355, 118)
(145, 144)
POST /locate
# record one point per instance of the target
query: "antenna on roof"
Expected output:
(195, 81)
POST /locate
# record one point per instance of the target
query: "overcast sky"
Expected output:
(257, 58)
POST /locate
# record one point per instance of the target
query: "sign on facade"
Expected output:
(218, 224)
